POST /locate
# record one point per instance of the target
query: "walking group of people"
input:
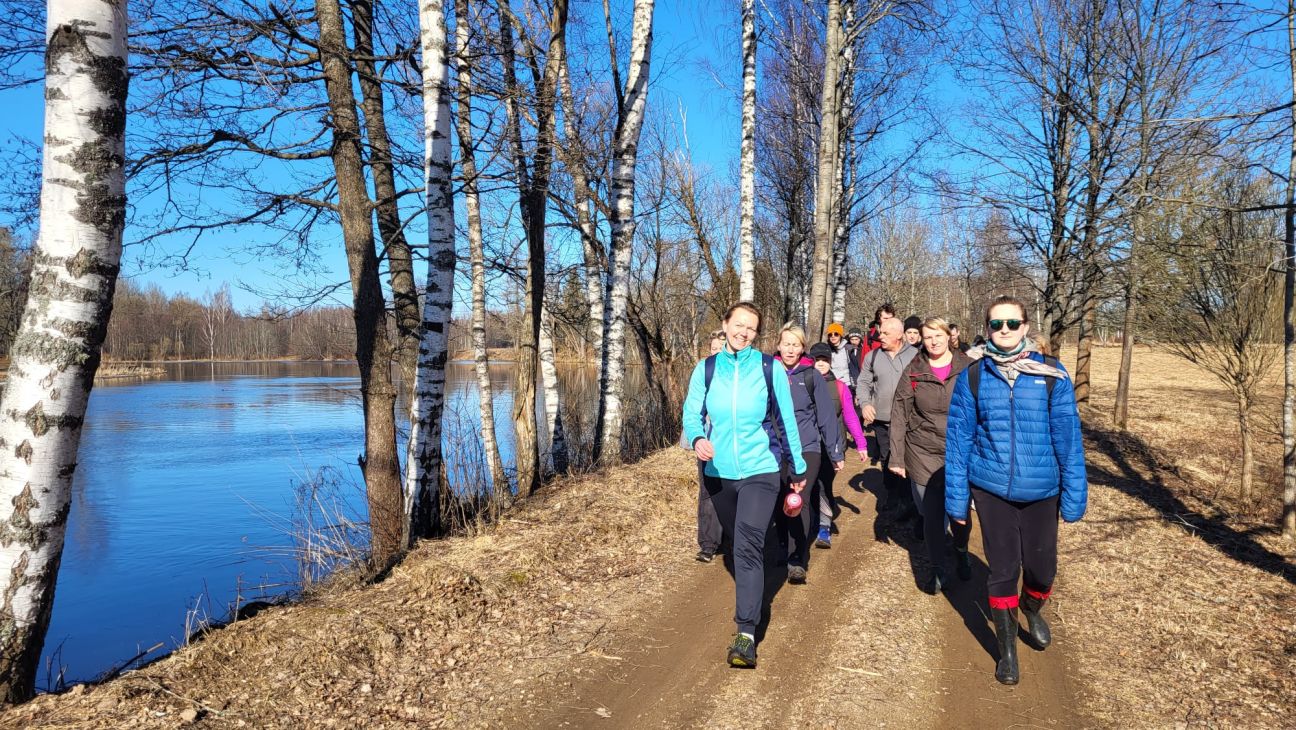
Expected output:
(990, 427)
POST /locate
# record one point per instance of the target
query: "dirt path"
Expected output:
(858, 646)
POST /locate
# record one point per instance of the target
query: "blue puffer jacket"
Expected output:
(1017, 447)
(737, 404)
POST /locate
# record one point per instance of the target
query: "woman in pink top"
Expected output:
(918, 417)
(822, 355)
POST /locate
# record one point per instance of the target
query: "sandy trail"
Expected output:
(860, 645)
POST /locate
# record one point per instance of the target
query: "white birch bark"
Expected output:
(554, 439)
(423, 478)
(56, 350)
(499, 485)
(624, 157)
(747, 165)
(594, 288)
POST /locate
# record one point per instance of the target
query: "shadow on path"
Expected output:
(1140, 470)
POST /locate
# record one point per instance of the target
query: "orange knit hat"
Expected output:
(835, 327)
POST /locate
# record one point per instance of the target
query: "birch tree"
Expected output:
(826, 175)
(555, 439)
(57, 349)
(624, 157)
(424, 488)
(591, 248)
(499, 484)
(747, 185)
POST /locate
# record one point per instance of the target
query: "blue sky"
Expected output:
(687, 34)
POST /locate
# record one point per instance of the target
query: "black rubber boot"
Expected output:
(1005, 621)
(1036, 627)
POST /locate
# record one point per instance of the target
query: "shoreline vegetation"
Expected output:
(468, 624)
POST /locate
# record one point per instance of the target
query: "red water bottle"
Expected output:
(792, 504)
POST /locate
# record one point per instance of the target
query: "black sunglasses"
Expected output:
(997, 324)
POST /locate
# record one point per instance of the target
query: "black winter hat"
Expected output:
(913, 322)
(821, 349)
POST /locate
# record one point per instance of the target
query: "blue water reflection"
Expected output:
(184, 482)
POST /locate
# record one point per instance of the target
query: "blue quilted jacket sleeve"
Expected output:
(959, 435)
(1068, 444)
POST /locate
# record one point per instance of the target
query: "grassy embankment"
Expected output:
(1175, 602)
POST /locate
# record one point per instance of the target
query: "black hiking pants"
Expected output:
(1019, 538)
(708, 525)
(930, 500)
(827, 498)
(746, 509)
(800, 531)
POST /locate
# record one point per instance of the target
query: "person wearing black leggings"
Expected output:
(1013, 446)
(918, 418)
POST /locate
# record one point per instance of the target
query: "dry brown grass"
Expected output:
(1178, 597)
(460, 625)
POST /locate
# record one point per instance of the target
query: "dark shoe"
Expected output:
(1037, 629)
(742, 652)
(918, 530)
(705, 556)
(963, 564)
(1005, 621)
(938, 581)
(796, 574)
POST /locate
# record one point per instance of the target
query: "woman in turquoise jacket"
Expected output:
(1013, 447)
(753, 434)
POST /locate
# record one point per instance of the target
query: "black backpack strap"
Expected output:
(1050, 382)
(772, 408)
(708, 372)
(974, 384)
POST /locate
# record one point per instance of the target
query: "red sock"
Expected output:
(1003, 601)
(1039, 595)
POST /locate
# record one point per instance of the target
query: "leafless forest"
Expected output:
(506, 174)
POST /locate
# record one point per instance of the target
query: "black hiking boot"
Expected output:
(742, 652)
(1037, 629)
(796, 575)
(704, 556)
(1005, 621)
(963, 564)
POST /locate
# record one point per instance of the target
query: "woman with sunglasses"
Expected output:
(918, 443)
(1013, 447)
(752, 433)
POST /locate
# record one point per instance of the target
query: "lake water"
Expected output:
(185, 492)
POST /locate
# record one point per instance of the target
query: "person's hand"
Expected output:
(704, 450)
(863, 455)
(869, 413)
(958, 522)
(899, 471)
(797, 486)
(837, 465)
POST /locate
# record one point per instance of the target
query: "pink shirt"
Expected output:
(942, 373)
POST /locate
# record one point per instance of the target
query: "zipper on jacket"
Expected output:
(1012, 440)
(733, 403)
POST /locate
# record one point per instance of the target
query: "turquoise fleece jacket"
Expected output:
(742, 428)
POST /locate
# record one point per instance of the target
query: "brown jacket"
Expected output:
(918, 416)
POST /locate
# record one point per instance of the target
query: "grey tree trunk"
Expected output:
(400, 262)
(591, 249)
(624, 157)
(379, 464)
(56, 350)
(747, 186)
(826, 169)
(499, 484)
(1289, 304)
(533, 189)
